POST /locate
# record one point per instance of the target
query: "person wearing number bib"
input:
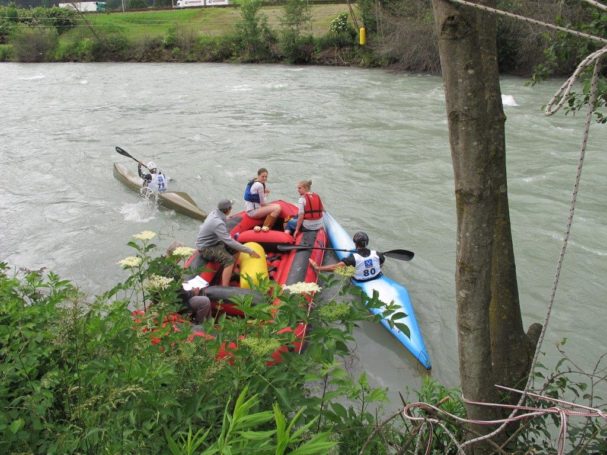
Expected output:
(367, 263)
(155, 180)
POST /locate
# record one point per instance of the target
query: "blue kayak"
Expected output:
(389, 291)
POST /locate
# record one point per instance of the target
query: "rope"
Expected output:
(562, 95)
(596, 4)
(526, 412)
(531, 21)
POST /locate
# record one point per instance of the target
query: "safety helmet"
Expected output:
(151, 165)
(360, 239)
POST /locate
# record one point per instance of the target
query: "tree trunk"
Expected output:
(493, 348)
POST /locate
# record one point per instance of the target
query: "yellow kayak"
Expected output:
(176, 200)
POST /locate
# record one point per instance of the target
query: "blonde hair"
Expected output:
(307, 184)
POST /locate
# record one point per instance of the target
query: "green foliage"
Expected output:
(33, 44)
(60, 19)
(78, 49)
(296, 16)
(450, 401)
(296, 49)
(9, 18)
(6, 53)
(367, 10)
(568, 382)
(91, 377)
(255, 38)
(216, 49)
(110, 47)
(340, 24)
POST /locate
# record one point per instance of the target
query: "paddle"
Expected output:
(128, 155)
(403, 255)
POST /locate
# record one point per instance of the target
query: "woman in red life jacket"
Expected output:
(255, 194)
(310, 210)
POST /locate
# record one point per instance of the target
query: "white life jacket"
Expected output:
(158, 183)
(368, 267)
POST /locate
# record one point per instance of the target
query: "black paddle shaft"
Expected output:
(403, 255)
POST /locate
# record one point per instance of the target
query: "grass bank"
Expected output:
(251, 33)
(212, 22)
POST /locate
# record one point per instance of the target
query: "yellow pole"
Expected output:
(362, 36)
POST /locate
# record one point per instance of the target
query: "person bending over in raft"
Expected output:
(367, 263)
(310, 210)
(214, 242)
(255, 194)
(155, 180)
(197, 304)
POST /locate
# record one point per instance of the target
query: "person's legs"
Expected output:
(271, 213)
(225, 256)
(201, 307)
(291, 225)
(226, 275)
(271, 218)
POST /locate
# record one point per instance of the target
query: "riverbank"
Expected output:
(318, 34)
(252, 33)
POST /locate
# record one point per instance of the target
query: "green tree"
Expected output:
(253, 33)
(296, 46)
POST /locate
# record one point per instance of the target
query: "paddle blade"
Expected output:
(123, 152)
(402, 255)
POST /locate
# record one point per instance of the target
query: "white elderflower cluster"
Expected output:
(130, 262)
(183, 252)
(347, 271)
(302, 288)
(157, 283)
(145, 235)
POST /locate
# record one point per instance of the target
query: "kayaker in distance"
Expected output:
(155, 180)
(366, 262)
(214, 242)
(310, 210)
(255, 194)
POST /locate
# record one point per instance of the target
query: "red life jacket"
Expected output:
(313, 208)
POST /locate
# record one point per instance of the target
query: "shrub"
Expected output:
(6, 53)
(254, 36)
(33, 44)
(8, 21)
(216, 49)
(78, 49)
(296, 48)
(340, 24)
(111, 47)
(90, 377)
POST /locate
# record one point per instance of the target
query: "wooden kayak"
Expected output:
(175, 200)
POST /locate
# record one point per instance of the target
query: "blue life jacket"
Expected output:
(247, 193)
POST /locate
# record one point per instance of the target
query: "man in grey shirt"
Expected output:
(214, 242)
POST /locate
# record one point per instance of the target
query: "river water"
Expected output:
(374, 144)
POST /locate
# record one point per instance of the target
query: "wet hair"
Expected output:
(360, 239)
(307, 184)
(261, 170)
